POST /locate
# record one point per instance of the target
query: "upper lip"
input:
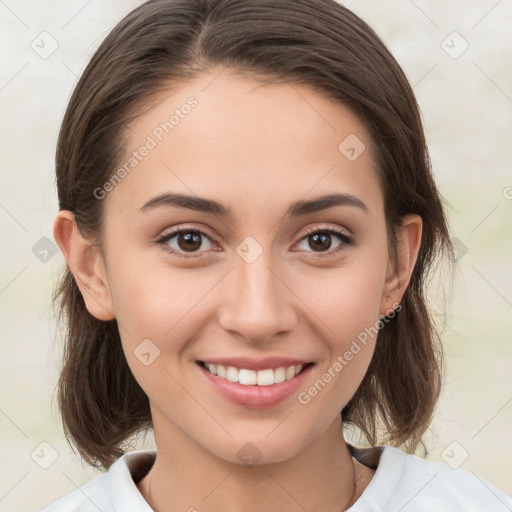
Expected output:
(256, 364)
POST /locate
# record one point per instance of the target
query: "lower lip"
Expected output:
(256, 397)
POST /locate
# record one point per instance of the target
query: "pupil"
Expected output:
(191, 239)
(321, 239)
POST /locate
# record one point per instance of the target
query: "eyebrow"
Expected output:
(296, 209)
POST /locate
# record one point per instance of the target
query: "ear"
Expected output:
(399, 272)
(86, 263)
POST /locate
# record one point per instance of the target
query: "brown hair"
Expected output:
(315, 42)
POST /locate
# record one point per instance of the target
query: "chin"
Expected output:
(259, 450)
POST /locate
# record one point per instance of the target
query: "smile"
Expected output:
(246, 377)
(266, 384)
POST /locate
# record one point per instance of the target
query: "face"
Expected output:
(243, 273)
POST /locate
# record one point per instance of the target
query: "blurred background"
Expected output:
(457, 56)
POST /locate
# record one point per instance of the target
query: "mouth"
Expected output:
(247, 377)
(255, 388)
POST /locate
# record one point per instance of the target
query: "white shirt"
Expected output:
(401, 483)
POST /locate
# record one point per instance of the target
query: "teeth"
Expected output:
(251, 377)
(266, 377)
(232, 374)
(248, 377)
(212, 368)
(279, 375)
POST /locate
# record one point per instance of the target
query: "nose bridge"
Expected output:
(257, 304)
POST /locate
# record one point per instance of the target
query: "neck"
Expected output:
(184, 477)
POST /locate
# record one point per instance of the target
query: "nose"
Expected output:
(258, 304)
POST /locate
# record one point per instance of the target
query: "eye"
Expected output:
(320, 240)
(185, 242)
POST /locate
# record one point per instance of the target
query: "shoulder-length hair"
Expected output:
(315, 42)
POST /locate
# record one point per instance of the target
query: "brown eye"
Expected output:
(184, 241)
(189, 240)
(320, 241)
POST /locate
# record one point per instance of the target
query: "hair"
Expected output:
(319, 43)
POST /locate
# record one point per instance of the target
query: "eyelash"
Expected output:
(343, 238)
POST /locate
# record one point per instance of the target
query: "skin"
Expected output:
(256, 149)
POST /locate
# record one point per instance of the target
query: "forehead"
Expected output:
(229, 137)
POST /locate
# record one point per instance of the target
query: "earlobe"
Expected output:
(400, 271)
(86, 263)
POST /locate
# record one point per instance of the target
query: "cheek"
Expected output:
(159, 299)
(350, 309)
(155, 310)
(345, 300)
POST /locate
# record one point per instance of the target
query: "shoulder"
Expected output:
(408, 483)
(112, 491)
(439, 484)
(91, 496)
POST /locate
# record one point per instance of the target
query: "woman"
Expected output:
(248, 216)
